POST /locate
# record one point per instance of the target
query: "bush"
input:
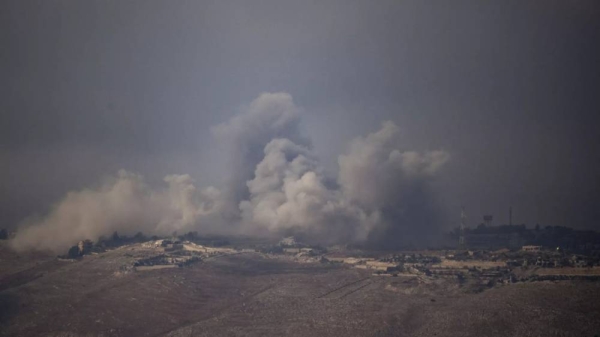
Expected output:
(190, 261)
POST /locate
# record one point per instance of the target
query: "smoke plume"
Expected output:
(271, 115)
(379, 178)
(276, 186)
(288, 194)
(124, 203)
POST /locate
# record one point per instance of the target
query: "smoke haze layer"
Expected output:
(123, 203)
(276, 186)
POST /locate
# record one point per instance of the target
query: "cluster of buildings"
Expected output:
(480, 268)
(166, 253)
(487, 237)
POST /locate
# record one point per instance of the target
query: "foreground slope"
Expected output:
(251, 294)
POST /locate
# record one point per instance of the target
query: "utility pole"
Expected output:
(510, 215)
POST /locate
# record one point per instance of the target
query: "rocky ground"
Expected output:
(251, 294)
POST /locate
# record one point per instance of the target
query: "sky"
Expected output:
(508, 89)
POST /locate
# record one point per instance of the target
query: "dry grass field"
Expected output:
(568, 271)
(250, 294)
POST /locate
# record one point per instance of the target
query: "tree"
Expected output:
(139, 237)
(190, 236)
(3, 234)
(86, 247)
(73, 252)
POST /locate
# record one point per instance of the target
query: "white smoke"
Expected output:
(288, 193)
(288, 189)
(271, 115)
(277, 186)
(123, 203)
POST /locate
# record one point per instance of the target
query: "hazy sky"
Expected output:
(509, 88)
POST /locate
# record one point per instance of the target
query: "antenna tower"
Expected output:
(463, 221)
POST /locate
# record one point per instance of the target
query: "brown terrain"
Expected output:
(253, 294)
